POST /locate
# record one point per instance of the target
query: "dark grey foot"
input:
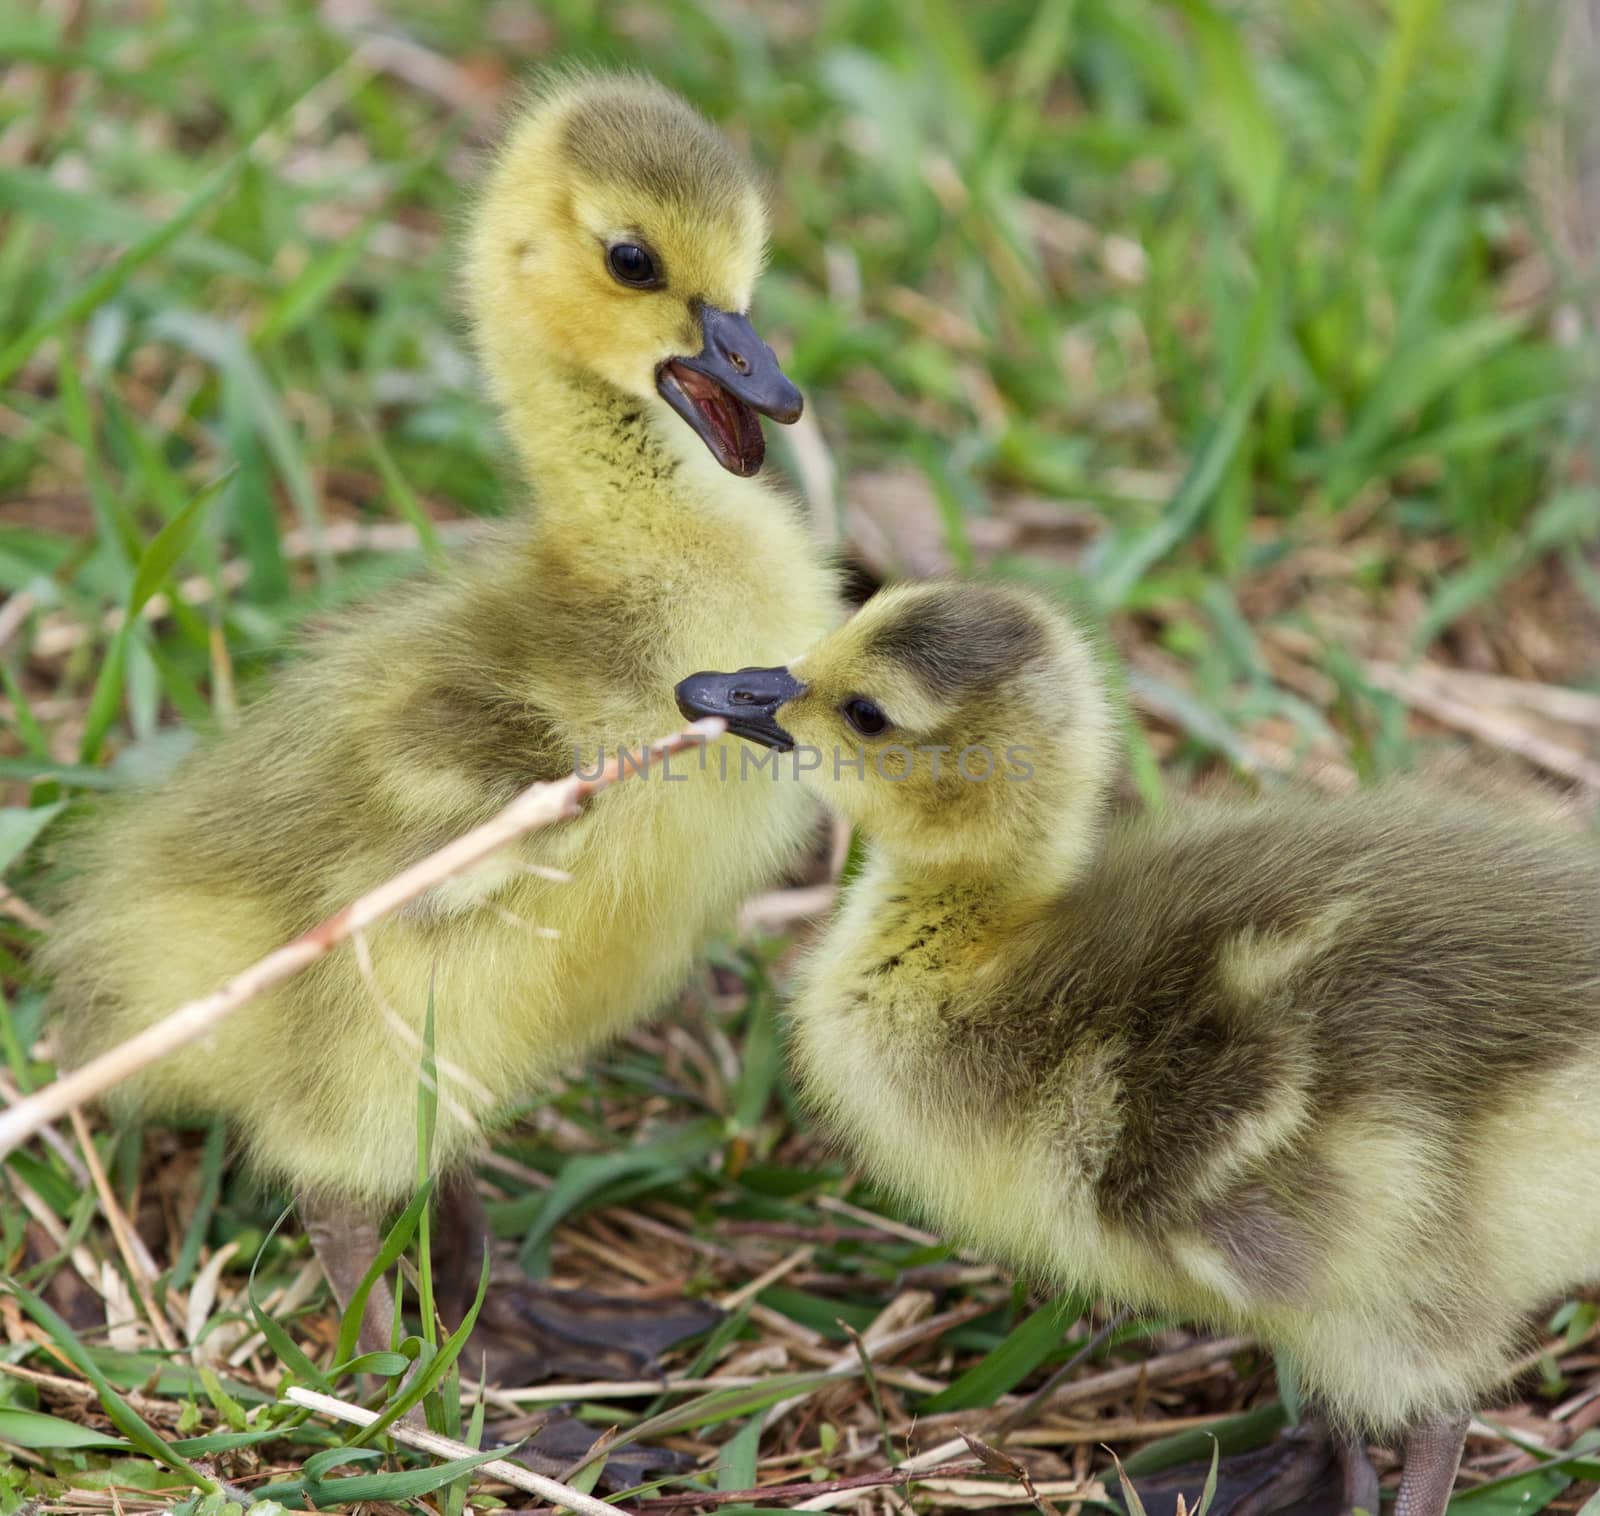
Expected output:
(560, 1443)
(1308, 1471)
(529, 1332)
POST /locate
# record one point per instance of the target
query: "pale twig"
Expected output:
(120, 1231)
(610, 1256)
(83, 1263)
(614, 1389)
(74, 1389)
(780, 909)
(1094, 1433)
(1558, 702)
(18, 909)
(443, 1447)
(53, 1139)
(540, 805)
(1486, 724)
(50, 1224)
(879, 1344)
(753, 1287)
(963, 1494)
(1167, 1366)
(871, 1218)
(760, 1494)
(1102, 1386)
(629, 1389)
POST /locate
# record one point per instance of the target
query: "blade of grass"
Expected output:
(1251, 143)
(123, 1416)
(102, 286)
(1116, 578)
(403, 497)
(427, 1116)
(404, 1485)
(432, 1368)
(395, 1243)
(36, 1429)
(154, 567)
(1231, 1434)
(1021, 1351)
(717, 1406)
(205, 1205)
(1413, 20)
(287, 1350)
(20, 826)
(26, 723)
(669, 1156)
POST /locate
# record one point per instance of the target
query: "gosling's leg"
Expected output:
(1360, 1478)
(1433, 1454)
(346, 1241)
(460, 1239)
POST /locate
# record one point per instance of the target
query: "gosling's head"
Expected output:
(620, 235)
(956, 724)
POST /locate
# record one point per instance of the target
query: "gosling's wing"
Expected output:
(397, 728)
(1249, 963)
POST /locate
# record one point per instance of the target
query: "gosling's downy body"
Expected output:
(614, 250)
(1318, 1069)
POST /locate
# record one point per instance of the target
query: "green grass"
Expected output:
(1263, 327)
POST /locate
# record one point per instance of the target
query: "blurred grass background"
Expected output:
(1268, 330)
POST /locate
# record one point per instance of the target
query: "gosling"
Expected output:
(1321, 1070)
(613, 254)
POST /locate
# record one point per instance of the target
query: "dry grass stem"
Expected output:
(121, 1232)
(760, 1494)
(1486, 724)
(430, 1442)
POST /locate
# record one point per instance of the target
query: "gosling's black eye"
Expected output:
(632, 264)
(865, 717)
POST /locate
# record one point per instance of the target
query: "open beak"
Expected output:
(747, 700)
(720, 389)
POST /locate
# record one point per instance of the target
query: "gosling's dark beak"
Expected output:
(747, 700)
(720, 389)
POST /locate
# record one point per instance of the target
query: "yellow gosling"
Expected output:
(1321, 1070)
(614, 252)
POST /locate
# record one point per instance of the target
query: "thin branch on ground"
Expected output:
(430, 1442)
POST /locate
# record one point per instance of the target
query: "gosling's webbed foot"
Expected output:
(1308, 1471)
(561, 1442)
(530, 1332)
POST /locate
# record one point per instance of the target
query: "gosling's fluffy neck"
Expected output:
(589, 449)
(1015, 875)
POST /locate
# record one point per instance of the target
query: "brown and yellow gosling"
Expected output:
(1321, 1070)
